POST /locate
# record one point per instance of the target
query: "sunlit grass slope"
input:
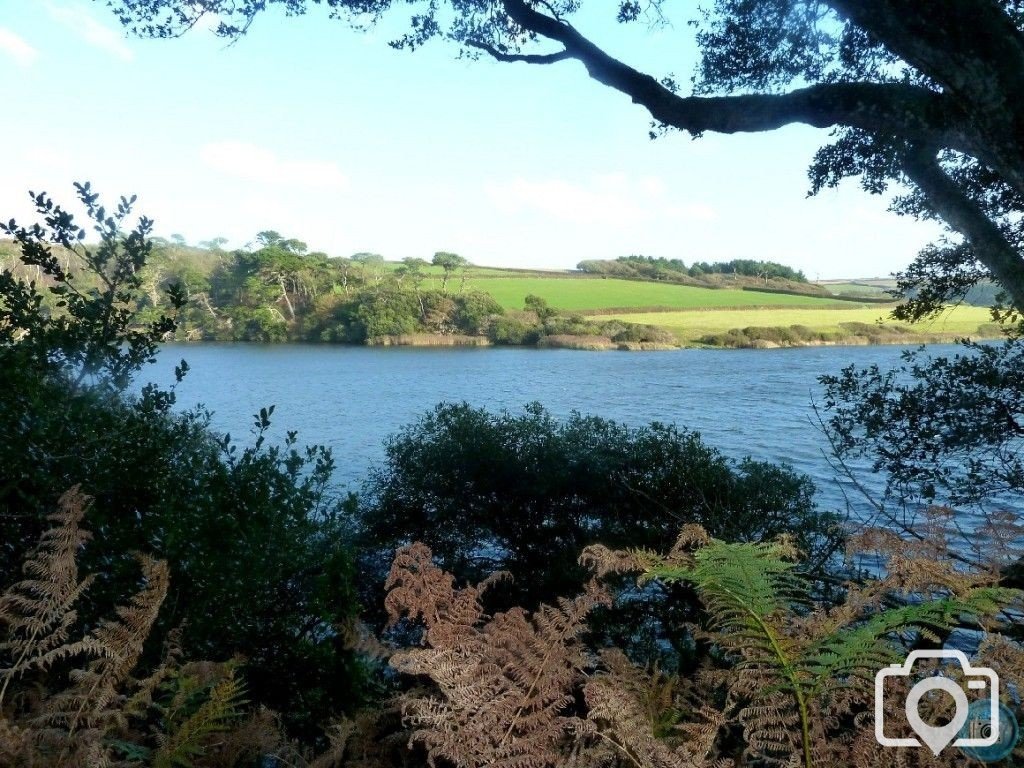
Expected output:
(690, 326)
(576, 294)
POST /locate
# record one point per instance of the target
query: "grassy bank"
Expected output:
(428, 340)
(820, 325)
(575, 294)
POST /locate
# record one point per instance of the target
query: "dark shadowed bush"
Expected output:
(514, 329)
(497, 491)
(256, 545)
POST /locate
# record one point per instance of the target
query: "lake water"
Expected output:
(744, 402)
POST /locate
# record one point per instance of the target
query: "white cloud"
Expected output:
(15, 47)
(255, 163)
(80, 21)
(610, 199)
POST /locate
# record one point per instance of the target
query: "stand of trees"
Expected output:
(280, 292)
(660, 268)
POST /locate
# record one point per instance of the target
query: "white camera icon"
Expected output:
(937, 738)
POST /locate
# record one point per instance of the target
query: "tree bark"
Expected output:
(284, 295)
(973, 51)
(963, 214)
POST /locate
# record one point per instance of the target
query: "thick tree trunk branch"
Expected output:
(963, 214)
(973, 51)
(971, 43)
(913, 112)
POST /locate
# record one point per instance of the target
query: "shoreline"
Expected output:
(605, 344)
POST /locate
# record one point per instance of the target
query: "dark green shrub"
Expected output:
(496, 491)
(256, 545)
(385, 313)
(645, 334)
(474, 312)
(539, 306)
(733, 338)
(862, 329)
(513, 329)
(775, 334)
(259, 324)
(569, 325)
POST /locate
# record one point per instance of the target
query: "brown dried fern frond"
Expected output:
(141, 701)
(179, 714)
(359, 638)
(418, 590)
(499, 686)
(369, 739)
(633, 711)
(116, 645)
(256, 736)
(37, 614)
(938, 555)
(17, 744)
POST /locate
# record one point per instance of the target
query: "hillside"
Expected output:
(984, 294)
(594, 295)
(282, 293)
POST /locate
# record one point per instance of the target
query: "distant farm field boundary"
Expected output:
(615, 312)
(873, 299)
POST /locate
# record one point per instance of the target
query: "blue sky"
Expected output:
(331, 136)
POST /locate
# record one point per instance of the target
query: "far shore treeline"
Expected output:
(277, 290)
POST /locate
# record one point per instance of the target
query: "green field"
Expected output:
(690, 326)
(580, 294)
(692, 312)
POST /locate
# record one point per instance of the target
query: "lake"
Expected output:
(743, 402)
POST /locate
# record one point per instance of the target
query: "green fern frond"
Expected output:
(188, 739)
(739, 580)
(756, 599)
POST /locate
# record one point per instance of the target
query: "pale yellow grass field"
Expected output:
(690, 325)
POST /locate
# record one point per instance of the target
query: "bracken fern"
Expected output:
(798, 676)
(68, 697)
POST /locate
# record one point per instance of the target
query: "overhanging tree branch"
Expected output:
(973, 51)
(965, 216)
(906, 110)
(527, 58)
(970, 42)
